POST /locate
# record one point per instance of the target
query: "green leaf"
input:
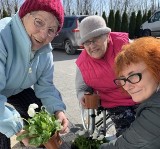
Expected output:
(22, 136)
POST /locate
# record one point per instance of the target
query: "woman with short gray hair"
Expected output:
(95, 70)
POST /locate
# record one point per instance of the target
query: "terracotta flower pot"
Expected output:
(54, 142)
(91, 101)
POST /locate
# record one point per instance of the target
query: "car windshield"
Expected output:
(68, 22)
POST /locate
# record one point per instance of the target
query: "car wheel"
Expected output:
(69, 48)
(146, 33)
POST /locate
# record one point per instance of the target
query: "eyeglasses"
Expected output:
(133, 79)
(40, 24)
(94, 40)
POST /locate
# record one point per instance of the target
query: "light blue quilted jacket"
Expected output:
(18, 72)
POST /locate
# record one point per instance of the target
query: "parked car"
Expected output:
(152, 26)
(69, 36)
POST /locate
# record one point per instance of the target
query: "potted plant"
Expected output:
(86, 141)
(41, 128)
(92, 101)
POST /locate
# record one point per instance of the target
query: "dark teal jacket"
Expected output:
(144, 132)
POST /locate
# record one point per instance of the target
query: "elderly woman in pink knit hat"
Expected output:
(95, 70)
(26, 60)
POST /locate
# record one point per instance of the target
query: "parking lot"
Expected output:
(64, 78)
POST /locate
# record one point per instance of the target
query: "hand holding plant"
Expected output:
(40, 128)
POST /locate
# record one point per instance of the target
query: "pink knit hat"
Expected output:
(53, 6)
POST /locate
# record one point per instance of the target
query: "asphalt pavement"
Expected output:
(64, 79)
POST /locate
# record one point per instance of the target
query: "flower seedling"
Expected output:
(40, 127)
(86, 141)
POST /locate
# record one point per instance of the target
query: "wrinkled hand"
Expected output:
(24, 141)
(64, 121)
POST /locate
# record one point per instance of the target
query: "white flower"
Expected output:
(81, 133)
(34, 106)
(100, 137)
(31, 109)
(31, 112)
(94, 135)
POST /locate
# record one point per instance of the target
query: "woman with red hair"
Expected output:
(138, 73)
